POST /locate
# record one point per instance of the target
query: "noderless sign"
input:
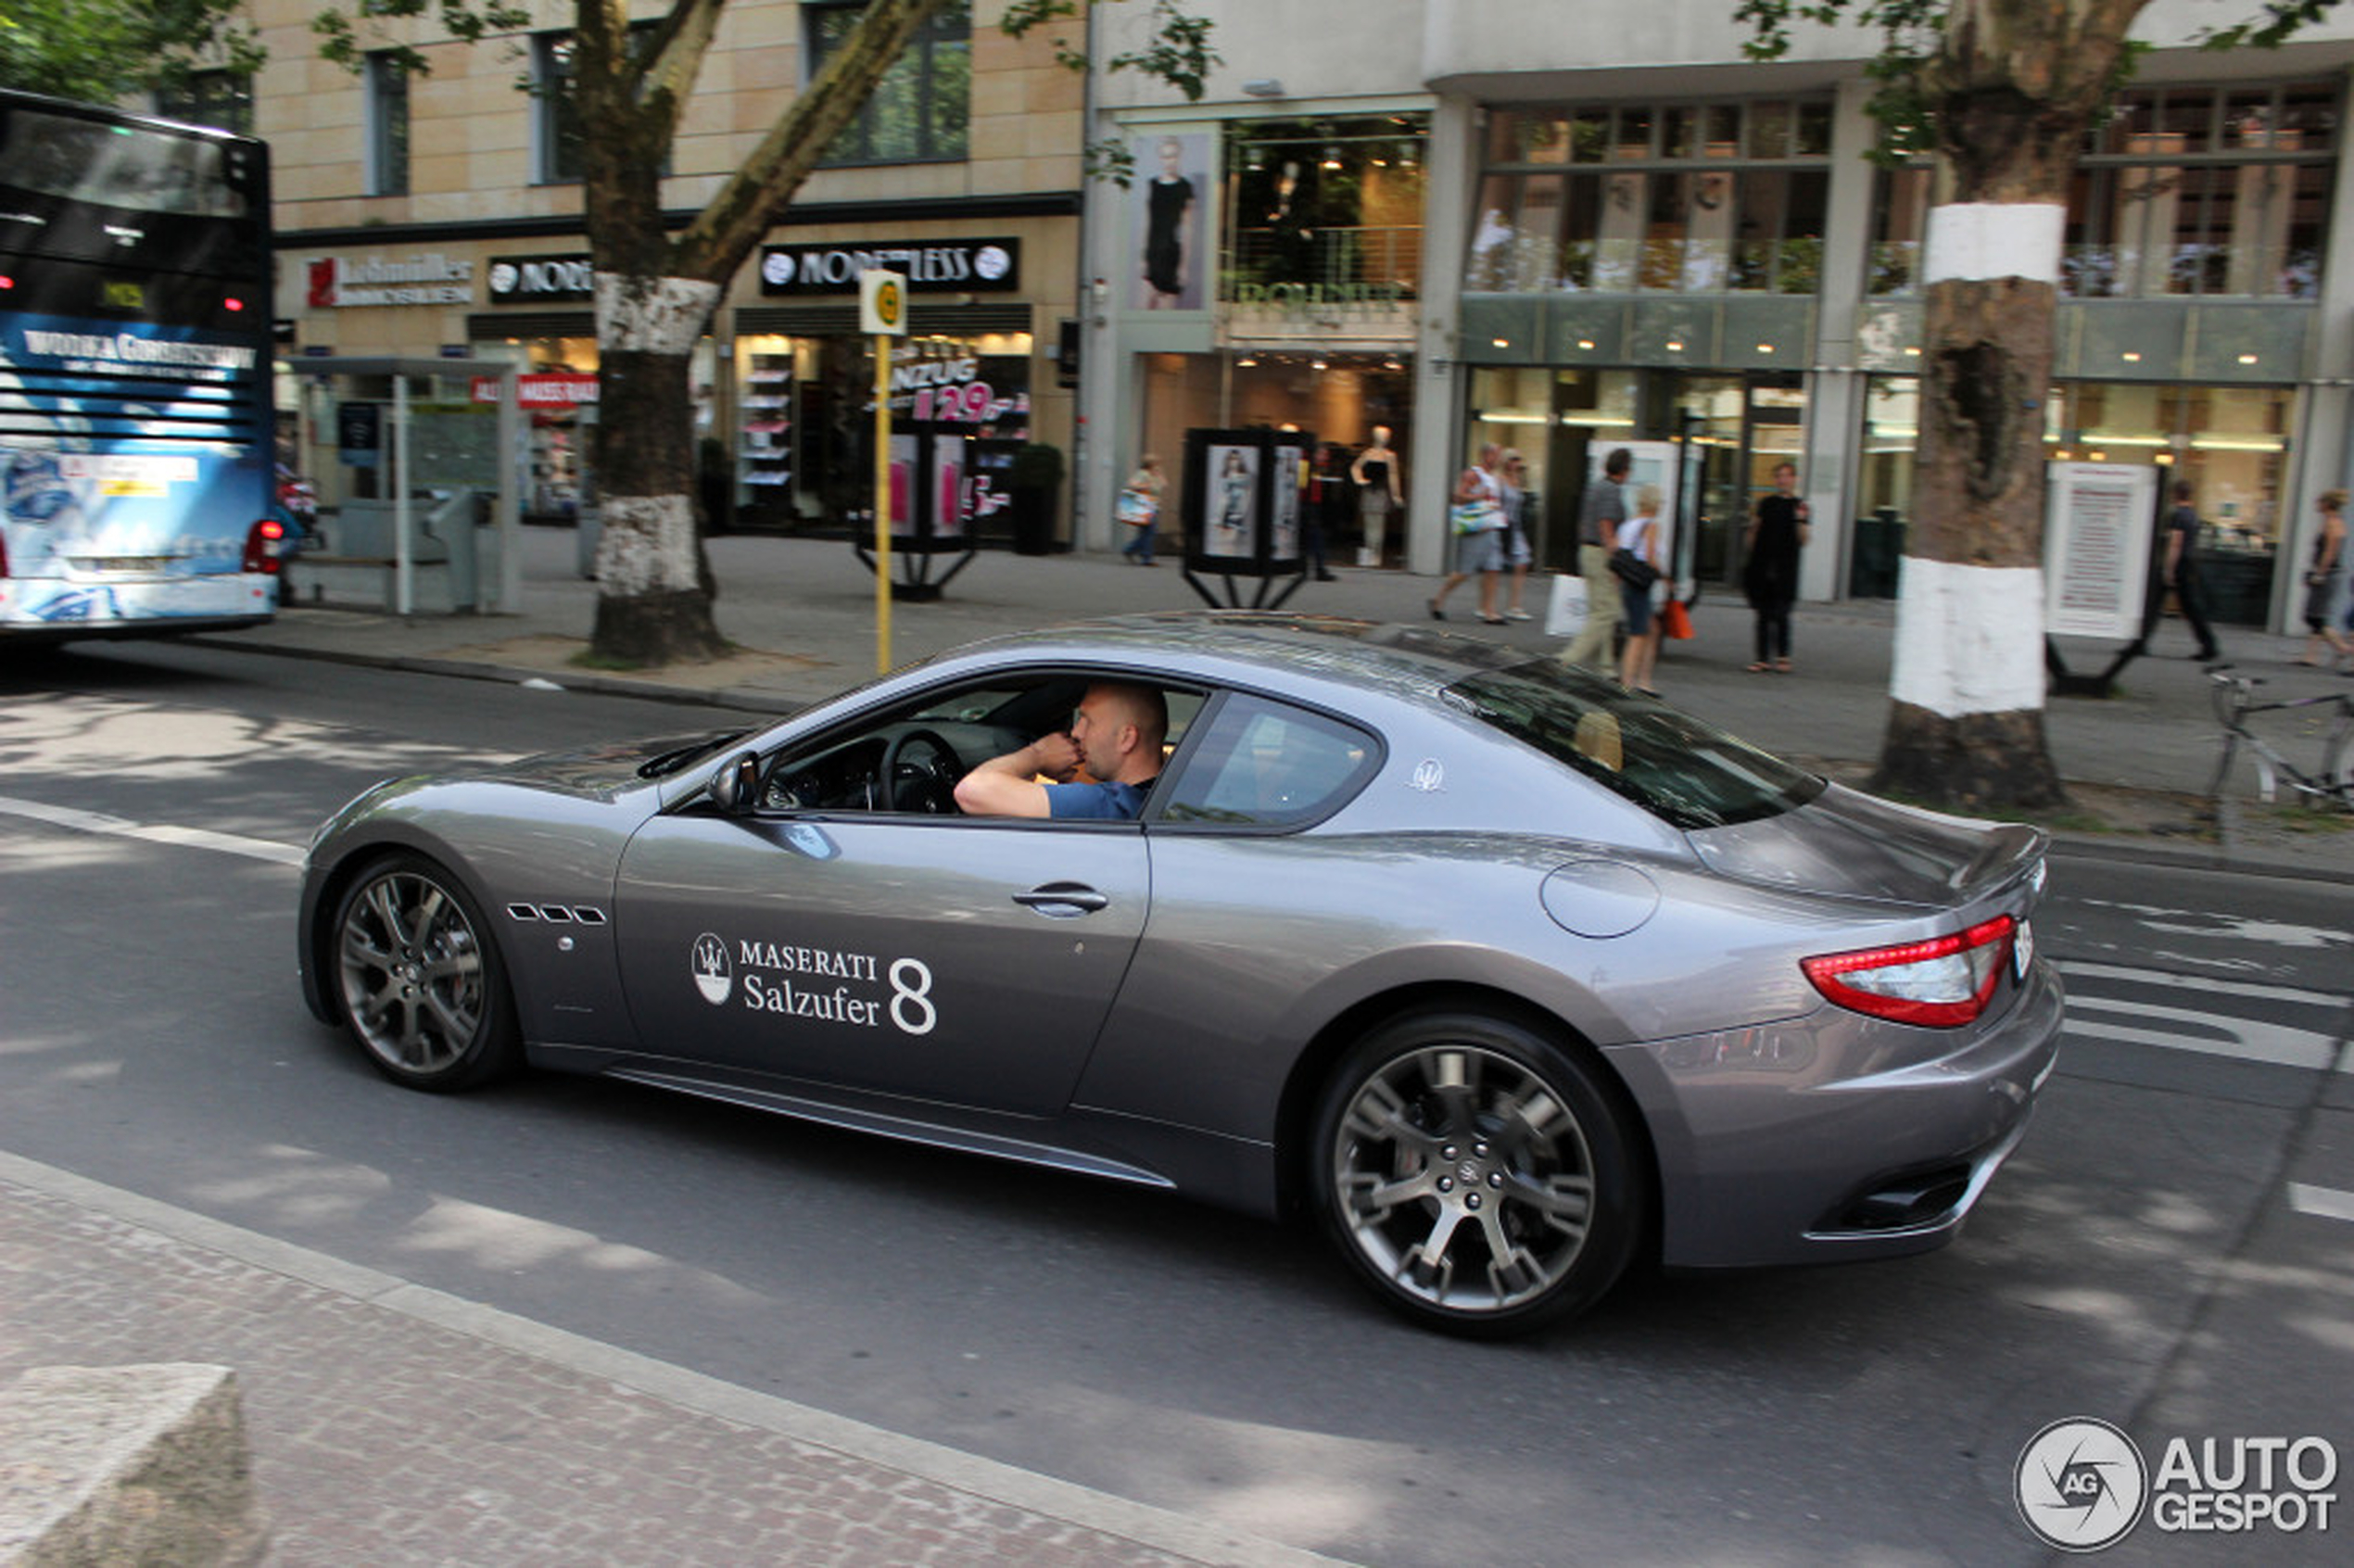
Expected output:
(976, 266)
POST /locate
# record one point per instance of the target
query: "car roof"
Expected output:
(1409, 661)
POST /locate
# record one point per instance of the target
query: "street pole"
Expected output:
(882, 310)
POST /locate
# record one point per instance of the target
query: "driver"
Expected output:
(1114, 737)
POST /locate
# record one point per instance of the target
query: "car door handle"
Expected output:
(1061, 901)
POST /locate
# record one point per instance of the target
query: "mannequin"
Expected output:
(1380, 490)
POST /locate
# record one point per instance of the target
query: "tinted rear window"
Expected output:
(1690, 774)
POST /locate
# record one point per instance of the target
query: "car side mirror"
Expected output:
(735, 789)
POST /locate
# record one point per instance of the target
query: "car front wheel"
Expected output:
(1478, 1177)
(421, 988)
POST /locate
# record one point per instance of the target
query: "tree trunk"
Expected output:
(655, 296)
(2014, 86)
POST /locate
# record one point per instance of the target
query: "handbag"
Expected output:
(1472, 516)
(1632, 569)
(1675, 621)
(1137, 509)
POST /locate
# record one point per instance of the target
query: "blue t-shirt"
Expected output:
(1110, 803)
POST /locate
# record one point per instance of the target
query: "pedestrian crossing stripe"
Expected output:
(2328, 1203)
(2131, 1022)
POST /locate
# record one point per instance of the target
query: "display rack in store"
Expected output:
(763, 441)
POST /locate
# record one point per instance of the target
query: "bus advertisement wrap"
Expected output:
(136, 499)
(138, 447)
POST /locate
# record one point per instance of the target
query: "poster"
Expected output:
(2099, 519)
(1232, 506)
(1283, 539)
(1169, 225)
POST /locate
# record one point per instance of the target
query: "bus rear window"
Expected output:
(118, 165)
(1690, 773)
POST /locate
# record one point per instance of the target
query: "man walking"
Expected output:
(1599, 515)
(2182, 570)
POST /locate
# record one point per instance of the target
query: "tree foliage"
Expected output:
(104, 51)
(658, 280)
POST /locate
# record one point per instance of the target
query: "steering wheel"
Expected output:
(938, 775)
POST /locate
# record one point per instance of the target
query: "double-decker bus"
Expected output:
(137, 445)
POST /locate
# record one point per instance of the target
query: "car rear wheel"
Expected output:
(421, 985)
(1478, 1177)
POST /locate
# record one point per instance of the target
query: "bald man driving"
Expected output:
(1116, 737)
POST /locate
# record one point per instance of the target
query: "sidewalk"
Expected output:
(394, 1425)
(802, 612)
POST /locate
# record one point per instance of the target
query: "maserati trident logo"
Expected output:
(715, 976)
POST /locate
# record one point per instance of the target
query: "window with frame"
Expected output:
(219, 98)
(386, 87)
(553, 65)
(922, 110)
(1712, 197)
(2207, 191)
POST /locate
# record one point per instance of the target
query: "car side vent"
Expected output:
(556, 913)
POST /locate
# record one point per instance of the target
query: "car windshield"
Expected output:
(1690, 774)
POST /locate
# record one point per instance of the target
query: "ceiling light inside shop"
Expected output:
(1501, 342)
(2239, 443)
(2247, 359)
(2131, 358)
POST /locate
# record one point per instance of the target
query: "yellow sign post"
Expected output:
(882, 312)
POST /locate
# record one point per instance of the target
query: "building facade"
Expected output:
(1628, 232)
(440, 215)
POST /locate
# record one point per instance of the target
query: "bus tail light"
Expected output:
(1942, 983)
(261, 546)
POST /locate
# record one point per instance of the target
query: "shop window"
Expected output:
(1710, 198)
(2182, 191)
(557, 124)
(218, 98)
(922, 110)
(386, 89)
(1335, 205)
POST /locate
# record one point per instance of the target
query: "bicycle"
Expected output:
(2235, 701)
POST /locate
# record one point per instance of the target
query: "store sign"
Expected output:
(549, 391)
(531, 280)
(982, 266)
(338, 282)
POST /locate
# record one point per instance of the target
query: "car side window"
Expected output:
(1268, 765)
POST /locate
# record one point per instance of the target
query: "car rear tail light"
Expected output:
(1943, 982)
(261, 545)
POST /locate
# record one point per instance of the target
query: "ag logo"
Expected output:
(504, 277)
(777, 267)
(990, 262)
(715, 976)
(2080, 1485)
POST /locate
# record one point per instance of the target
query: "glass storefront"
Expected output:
(802, 449)
(1736, 427)
(2231, 443)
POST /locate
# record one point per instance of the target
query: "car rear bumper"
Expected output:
(1803, 1144)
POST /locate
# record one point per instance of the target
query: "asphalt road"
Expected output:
(2162, 1253)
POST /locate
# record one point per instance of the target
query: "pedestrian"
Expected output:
(1518, 499)
(2182, 569)
(1777, 532)
(2321, 581)
(1478, 517)
(1140, 509)
(1326, 479)
(1600, 512)
(1639, 534)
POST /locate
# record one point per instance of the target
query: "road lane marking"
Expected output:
(152, 832)
(2078, 969)
(2328, 1202)
(1182, 1536)
(2247, 1040)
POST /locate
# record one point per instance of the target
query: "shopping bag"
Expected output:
(1675, 621)
(1565, 613)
